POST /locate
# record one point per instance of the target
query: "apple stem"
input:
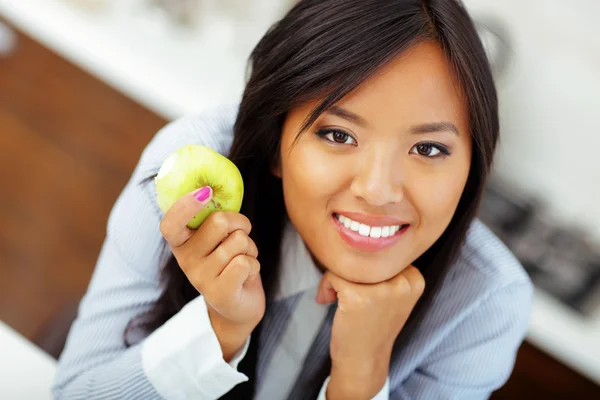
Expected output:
(216, 203)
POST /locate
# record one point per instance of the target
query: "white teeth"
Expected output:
(385, 231)
(364, 230)
(375, 232)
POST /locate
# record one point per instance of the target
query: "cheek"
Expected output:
(437, 200)
(309, 176)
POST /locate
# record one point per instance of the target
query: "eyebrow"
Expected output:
(431, 127)
(435, 127)
(348, 115)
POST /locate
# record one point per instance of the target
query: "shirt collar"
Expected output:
(297, 270)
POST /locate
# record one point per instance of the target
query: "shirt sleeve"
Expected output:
(382, 395)
(478, 357)
(183, 358)
(96, 363)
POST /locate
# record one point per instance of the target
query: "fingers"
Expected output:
(326, 292)
(236, 244)
(412, 278)
(173, 226)
(216, 229)
(238, 271)
(408, 282)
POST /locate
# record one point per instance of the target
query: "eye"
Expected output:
(337, 136)
(430, 150)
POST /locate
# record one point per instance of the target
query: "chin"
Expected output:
(366, 275)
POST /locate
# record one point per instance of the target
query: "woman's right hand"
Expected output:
(220, 261)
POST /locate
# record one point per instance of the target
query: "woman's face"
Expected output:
(376, 180)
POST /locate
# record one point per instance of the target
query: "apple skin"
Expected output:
(192, 167)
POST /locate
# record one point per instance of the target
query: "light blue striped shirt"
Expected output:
(464, 348)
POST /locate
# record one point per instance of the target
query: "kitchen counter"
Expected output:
(170, 71)
(27, 372)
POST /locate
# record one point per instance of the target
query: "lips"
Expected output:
(369, 238)
(375, 232)
(372, 220)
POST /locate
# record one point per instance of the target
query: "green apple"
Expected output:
(195, 166)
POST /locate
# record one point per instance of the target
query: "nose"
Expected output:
(378, 180)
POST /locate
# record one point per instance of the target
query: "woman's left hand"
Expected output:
(367, 322)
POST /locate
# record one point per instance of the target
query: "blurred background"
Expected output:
(85, 84)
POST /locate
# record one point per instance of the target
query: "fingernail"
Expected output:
(202, 194)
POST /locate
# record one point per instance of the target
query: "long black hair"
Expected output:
(324, 49)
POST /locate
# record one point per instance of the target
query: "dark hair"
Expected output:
(324, 49)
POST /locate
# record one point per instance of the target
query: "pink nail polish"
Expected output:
(202, 194)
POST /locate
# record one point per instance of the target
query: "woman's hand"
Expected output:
(219, 260)
(367, 322)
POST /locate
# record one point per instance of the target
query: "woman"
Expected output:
(356, 267)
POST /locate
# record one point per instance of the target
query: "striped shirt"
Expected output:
(464, 348)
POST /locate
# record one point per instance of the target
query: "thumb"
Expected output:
(326, 293)
(175, 223)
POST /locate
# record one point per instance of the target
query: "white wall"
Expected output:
(550, 103)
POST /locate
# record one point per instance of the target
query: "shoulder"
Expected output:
(485, 256)
(486, 284)
(212, 127)
(468, 339)
(486, 270)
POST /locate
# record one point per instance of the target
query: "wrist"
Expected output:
(363, 381)
(232, 337)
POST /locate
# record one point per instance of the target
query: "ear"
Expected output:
(276, 167)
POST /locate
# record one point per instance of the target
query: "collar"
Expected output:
(297, 270)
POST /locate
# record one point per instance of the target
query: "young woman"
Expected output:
(356, 268)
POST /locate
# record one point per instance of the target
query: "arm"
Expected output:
(382, 395)
(364, 330)
(477, 358)
(95, 362)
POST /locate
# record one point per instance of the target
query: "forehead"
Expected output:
(416, 87)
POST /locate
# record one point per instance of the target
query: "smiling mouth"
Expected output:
(365, 237)
(374, 232)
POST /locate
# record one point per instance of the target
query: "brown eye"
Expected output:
(430, 150)
(337, 136)
(424, 149)
(340, 137)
